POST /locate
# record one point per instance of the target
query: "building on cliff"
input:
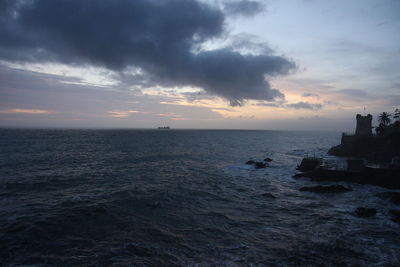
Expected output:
(364, 125)
(364, 144)
(363, 130)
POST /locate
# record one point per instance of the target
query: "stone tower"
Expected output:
(364, 125)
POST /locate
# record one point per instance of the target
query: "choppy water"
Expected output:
(179, 197)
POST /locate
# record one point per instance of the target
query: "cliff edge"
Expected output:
(377, 148)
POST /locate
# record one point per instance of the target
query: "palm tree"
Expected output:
(384, 118)
(396, 114)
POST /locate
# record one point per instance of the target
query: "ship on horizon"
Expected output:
(164, 128)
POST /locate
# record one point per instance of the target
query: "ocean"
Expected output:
(180, 198)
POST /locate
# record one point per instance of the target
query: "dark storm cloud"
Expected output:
(250, 42)
(157, 37)
(195, 96)
(243, 7)
(305, 105)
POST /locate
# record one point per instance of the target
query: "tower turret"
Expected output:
(364, 125)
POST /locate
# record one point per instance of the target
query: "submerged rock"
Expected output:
(257, 164)
(326, 189)
(365, 212)
(260, 165)
(395, 214)
(393, 197)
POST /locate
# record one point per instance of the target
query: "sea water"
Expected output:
(180, 197)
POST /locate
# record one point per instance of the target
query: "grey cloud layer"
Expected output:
(159, 37)
(243, 7)
(309, 95)
(305, 105)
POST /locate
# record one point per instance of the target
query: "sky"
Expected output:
(239, 64)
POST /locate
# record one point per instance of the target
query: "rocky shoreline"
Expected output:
(388, 178)
(384, 177)
(364, 147)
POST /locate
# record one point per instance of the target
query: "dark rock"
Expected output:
(309, 164)
(384, 177)
(393, 197)
(260, 165)
(267, 159)
(395, 214)
(326, 189)
(257, 164)
(355, 165)
(365, 212)
(299, 175)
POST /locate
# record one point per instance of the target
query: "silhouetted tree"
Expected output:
(396, 114)
(384, 118)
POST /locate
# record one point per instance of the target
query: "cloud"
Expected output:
(243, 7)
(155, 38)
(309, 95)
(25, 111)
(279, 103)
(393, 100)
(305, 105)
(250, 44)
(196, 96)
(122, 114)
(354, 93)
